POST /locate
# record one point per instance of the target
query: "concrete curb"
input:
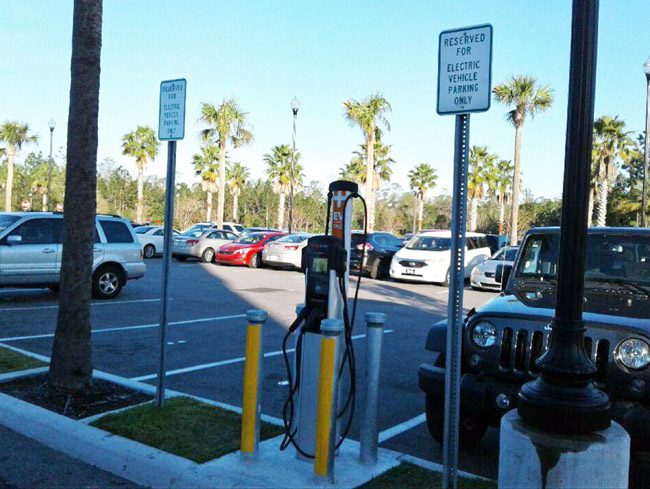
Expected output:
(19, 374)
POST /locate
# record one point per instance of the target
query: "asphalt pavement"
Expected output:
(206, 339)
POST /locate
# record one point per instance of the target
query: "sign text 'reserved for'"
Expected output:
(171, 120)
(465, 70)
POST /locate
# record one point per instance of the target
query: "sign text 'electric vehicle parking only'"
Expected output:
(171, 120)
(465, 70)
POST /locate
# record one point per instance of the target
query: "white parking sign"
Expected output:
(465, 70)
(171, 120)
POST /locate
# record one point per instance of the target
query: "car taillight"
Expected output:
(291, 247)
(141, 253)
(192, 242)
(368, 247)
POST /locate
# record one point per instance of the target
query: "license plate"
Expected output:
(409, 271)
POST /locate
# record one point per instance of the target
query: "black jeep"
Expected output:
(503, 338)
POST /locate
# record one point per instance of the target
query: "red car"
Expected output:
(246, 250)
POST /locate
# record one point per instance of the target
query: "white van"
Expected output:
(427, 256)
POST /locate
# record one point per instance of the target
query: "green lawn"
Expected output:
(10, 361)
(408, 475)
(184, 427)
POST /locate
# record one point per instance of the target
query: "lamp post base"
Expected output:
(564, 409)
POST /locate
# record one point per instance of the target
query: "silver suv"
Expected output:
(31, 249)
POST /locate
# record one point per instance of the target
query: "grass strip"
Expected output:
(184, 426)
(407, 475)
(11, 361)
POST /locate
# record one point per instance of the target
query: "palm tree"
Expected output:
(481, 166)
(237, 175)
(278, 168)
(14, 134)
(355, 170)
(71, 364)
(611, 145)
(142, 145)
(501, 187)
(206, 166)
(422, 178)
(369, 115)
(526, 97)
(227, 123)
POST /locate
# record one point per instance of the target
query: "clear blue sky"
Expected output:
(265, 52)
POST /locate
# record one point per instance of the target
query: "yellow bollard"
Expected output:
(327, 399)
(250, 426)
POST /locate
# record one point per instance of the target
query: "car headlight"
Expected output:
(634, 353)
(484, 334)
(241, 251)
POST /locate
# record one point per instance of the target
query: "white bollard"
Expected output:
(532, 458)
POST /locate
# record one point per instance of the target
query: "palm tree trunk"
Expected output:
(502, 213)
(11, 156)
(602, 202)
(140, 207)
(370, 178)
(516, 182)
(590, 212)
(420, 213)
(281, 210)
(235, 205)
(209, 205)
(71, 365)
(473, 215)
(221, 197)
(415, 214)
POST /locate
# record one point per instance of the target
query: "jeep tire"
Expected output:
(470, 429)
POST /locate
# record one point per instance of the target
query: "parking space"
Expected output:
(206, 339)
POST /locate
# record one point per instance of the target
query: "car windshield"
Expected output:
(250, 239)
(429, 243)
(6, 221)
(142, 229)
(614, 258)
(507, 254)
(293, 238)
(387, 240)
(238, 228)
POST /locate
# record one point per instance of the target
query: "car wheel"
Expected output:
(107, 282)
(255, 261)
(208, 255)
(470, 430)
(379, 270)
(149, 251)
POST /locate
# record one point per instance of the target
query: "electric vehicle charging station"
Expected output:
(325, 262)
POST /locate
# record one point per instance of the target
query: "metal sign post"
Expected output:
(464, 86)
(171, 127)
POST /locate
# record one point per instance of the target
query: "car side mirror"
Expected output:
(502, 275)
(14, 239)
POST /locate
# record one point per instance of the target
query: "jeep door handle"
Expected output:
(48, 250)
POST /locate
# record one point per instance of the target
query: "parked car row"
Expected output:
(423, 258)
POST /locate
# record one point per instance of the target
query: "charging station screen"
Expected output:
(319, 265)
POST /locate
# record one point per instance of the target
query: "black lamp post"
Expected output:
(563, 398)
(644, 198)
(295, 105)
(52, 125)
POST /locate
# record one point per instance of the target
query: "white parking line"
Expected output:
(401, 428)
(56, 306)
(128, 328)
(221, 363)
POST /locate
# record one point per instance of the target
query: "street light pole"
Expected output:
(52, 125)
(295, 105)
(563, 398)
(646, 150)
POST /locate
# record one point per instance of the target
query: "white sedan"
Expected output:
(152, 239)
(484, 275)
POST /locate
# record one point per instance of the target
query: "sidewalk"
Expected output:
(25, 463)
